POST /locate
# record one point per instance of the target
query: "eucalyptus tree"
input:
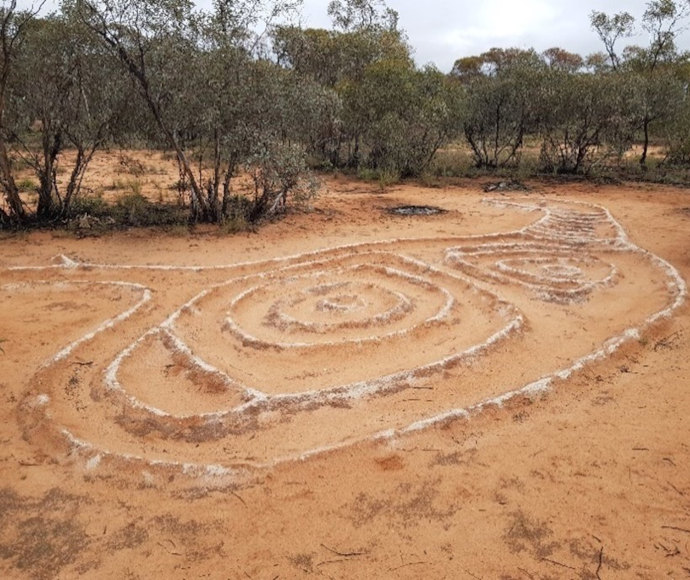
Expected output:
(13, 26)
(560, 59)
(189, 67)
(501, 100)
(467, 68)
(331, 57)
(256, 115)
(583, 119)
(71, 97)
(365, 35)
(404, 115)
(610, 29)
(677, 134)
(351, 15)
(651, 65)
(154, 40)
(662, 20)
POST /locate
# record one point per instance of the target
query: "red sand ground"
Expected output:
(589, 478)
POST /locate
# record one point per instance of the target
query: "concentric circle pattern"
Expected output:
(274, 361)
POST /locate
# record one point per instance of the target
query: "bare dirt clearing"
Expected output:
(498, 390)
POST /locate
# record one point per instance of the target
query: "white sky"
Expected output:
(441, 31)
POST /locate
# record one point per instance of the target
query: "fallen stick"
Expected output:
(677, 529)
(343, 554)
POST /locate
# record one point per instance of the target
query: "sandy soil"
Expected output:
(497, 391)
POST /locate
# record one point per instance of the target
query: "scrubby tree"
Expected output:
(13, 25)
(661, 20)
(330, 57)
(404, 115)
(155, 41)
(205, 82)
(559, 59)
(259, 115)
(351, 15)
(652, 65)
(346, 60)
(583, 119)
(501, 106)
(467, 68)
(610, 30)
(70, 98)
(676, 132)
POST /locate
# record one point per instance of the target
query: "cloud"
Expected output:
(441, 32)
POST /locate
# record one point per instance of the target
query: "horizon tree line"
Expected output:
(236, 89)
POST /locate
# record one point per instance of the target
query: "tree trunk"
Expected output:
(17, 212)
(48, 206)
(137, 71)
(199, 207)
(75, 179)
(645, 145)
(226, 190)
(214, 202)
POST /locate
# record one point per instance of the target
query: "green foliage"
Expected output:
(27, 184)
(401, 116)
(382, 177)
(501, 110)
(455, 161)
(197, 82)
(133, 185)
(94, 215)
(280, 175)
(578, 113)
(236, 224)
(662, 20)
(610, 29)
(331, 57)
(362, 15)
(677, 135)
(87, 205)
(135, 210)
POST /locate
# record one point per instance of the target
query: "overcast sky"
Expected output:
(440, 31)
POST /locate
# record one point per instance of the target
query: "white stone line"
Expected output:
(65, 264)
(352, 391)
(531, 389)
(676, 286)
(68, 263)
(366, 388)
(72, 264)
(541, 285)
(113, 384)
(398, 311)
(357, 389)
(110, 323)
(187, 468)
(110, 376)
(544, 384)
(443, 313)
(566, 238)
(196, 469)
(322, 396)
(556, 273)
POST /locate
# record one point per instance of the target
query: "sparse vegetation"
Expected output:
(205, 88)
